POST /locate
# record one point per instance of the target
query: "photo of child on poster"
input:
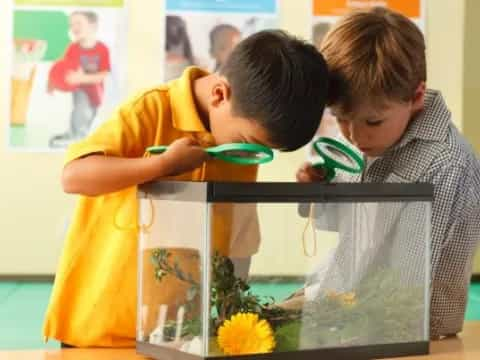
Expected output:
(82, 71)
(205, 34)
(63, 78)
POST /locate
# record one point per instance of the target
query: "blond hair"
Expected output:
(373, 55)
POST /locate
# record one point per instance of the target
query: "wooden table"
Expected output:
(465, 347)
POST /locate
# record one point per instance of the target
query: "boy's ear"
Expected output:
(221, 92)
(419, 96)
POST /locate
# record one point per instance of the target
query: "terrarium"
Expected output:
(276, 270)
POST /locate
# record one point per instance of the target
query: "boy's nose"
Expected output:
(358, 135)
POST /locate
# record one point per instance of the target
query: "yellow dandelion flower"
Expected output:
(244, 333)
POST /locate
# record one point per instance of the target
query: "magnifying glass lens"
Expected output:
(338, 155)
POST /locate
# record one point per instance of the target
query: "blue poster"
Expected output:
(222, 6)
(204, 32)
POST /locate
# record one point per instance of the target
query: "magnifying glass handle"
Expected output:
(157, 149)
(253, 154)
(329, 172)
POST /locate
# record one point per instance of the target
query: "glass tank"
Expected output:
(276, 270)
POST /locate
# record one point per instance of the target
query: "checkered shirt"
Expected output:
(433, 151)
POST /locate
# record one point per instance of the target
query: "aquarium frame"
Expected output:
(290, 192)
(286, 192)
(367, 352)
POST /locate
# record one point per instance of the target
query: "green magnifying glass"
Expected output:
(335, 155)
(236, 153)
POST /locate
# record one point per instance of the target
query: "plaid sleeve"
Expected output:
(455, 234)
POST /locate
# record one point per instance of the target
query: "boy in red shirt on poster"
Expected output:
(82, 71)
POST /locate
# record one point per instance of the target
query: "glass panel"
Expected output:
(289, 277)
(172, 237)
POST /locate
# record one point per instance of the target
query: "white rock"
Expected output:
(193, 347)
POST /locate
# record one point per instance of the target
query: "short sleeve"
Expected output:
(104, 58)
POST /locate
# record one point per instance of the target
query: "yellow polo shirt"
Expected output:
(93, 302)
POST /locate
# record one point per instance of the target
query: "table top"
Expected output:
(464, 347)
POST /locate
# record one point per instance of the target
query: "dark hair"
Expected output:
(280, 82)
(177, 36)
(91, 16)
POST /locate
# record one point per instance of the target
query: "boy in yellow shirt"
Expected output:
(271, 91)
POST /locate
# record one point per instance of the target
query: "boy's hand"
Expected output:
(184, 155)
(75, 77)
(307, 173)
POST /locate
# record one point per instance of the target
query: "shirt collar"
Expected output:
(185, 116)
(431, 124)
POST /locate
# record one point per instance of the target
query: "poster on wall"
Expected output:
(68, 70)
(204, 32)
(326, 12)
